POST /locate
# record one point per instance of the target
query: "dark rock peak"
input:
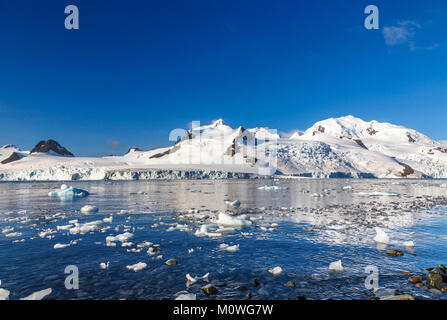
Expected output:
(13, 157)
(360, 143)
(410, 138)
(371, 131)
(407, 171)
(187, 136)
(51, 145)
(6, 146)
(132, 150)
(320, 129)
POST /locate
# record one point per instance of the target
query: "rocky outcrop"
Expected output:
(13, 157)
(410, 138)
(132, 150)
(360, 143)
(51, 146)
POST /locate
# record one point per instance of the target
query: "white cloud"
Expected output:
(403, 34)
(400, 34)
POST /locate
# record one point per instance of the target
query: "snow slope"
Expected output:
(342, 147)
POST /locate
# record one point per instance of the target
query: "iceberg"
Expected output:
(336, 266)
(4, 294)
(39, 295)
(234, 204)
(381, 236)
(275, 271)
(89, 209)
(137, 267)
(227, 220)
(377, 194)
(226, 247)
(268, 188)
(186, 296)
(67, 192)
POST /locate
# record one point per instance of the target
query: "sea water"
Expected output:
(301, 227)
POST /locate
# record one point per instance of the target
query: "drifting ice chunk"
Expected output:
(108, 220)
(4, 294)
(336, 266)
(186, 296)
(234, 204)
(228, 248)
(381, 236)
(61, 246)
(377, 194)
(137, 267)
(275, 271)
(67, 192)
(89, 209)
(347, 188)
(272, 188)
(39, 295)
(208, 230)
(83, 228)
(121, 238)
(227, 220)
(192, 279)
(103, 265)
(408, 244)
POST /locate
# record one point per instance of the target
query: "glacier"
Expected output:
(345, 147)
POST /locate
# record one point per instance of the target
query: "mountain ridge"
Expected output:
(335, 147)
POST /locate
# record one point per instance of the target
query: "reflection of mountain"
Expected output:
(342, 147)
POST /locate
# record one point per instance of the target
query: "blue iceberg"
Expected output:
(67, 192)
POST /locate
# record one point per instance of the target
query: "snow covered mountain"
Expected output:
(342, 147)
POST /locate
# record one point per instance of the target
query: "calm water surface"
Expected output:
(301, 229)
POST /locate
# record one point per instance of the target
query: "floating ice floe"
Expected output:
(67, 192)
(152, 251)
(409, 244)
(228, 248)
(444, 185)
(122, 212)
(181, 227)
(7, 230)
(184, 295)
(275, 271)
(377, 194)
(137, 267)
(381, 236)
(144, 244)
(336, 266)
(208, 230)
(108, 220)
(227, 220)
(13, 234)
(347, 188)
(190, 279)
(65, 227)
(110, 240)
(268, 188)
(104, 265)
(89, 209)
(39, 295)
(83, 228)
(4, 294)
(61, 246)
(234, 204)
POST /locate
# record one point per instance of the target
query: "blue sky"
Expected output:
(137, 69)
